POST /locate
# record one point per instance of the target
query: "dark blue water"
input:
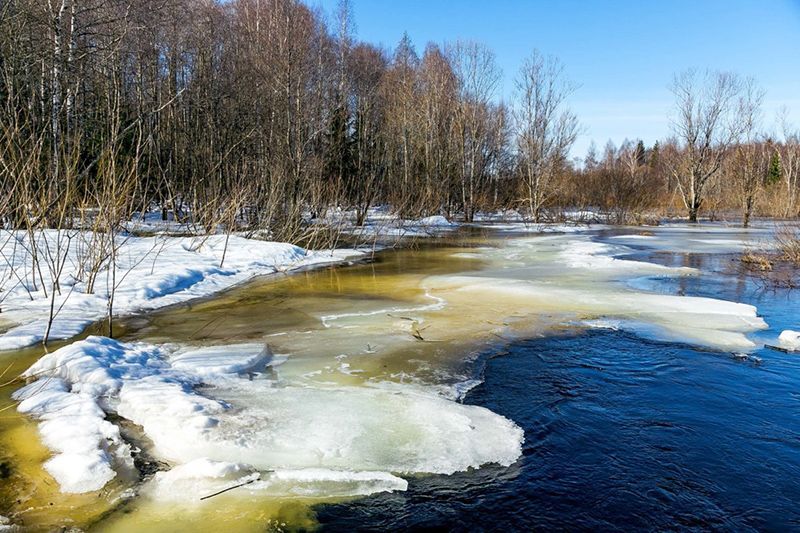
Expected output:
(624, 433)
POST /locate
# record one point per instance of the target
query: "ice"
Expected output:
(701, 238)
(703, 321)
(211, 361)
(595, 255)
(790, 339)
(575, 275)
(347, 428)
(346, 433)
(6, 526)
(189, 482)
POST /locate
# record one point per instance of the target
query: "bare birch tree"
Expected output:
(751, 156)
(707, 124)
(545, 128)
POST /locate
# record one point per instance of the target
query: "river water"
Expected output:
(642, 401)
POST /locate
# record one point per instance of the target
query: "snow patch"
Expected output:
(790, 339)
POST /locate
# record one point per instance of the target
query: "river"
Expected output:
(494, 379)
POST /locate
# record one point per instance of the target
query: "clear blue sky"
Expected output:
(622, 53)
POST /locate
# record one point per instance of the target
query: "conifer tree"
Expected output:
(640, 154)
(775, 172)
(339, 150)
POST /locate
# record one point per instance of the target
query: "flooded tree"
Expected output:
(545, 130)
(708, 121)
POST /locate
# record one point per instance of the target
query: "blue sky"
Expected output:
(622, 53)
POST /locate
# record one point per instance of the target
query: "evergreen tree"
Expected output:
(652, 158)
(405, 54)
(339, 164)
(775, 172)
(640, 154)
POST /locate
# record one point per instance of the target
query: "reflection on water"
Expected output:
(593, 406)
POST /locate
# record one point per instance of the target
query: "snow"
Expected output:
(152, 272)
(349, 432)
(86, 447)
(382, 227)
(437, 221)
(790, 339)
(507, 215)
(530, 227)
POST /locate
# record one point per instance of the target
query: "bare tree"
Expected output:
(751, 156)
(708, 122)
(545, 129)
(478, 76)
(789, 153)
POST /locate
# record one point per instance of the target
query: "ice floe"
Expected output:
(360, 436)
(790, 339)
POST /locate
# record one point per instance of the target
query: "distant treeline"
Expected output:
(262, 114)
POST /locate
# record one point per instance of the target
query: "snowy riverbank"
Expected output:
(150, 272)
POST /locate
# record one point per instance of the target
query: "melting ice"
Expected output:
(331, 420)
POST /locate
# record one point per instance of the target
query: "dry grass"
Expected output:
(780, 267)
(756, 261)
(788, 241)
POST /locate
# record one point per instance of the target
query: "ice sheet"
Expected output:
(325, 434)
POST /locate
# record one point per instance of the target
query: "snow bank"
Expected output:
(86, 446)
(381, 228)
(790, 339)
(314, 439)
(152, 272)
(66, 397)
(436, 221)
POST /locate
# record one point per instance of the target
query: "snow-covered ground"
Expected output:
(151, 272)
(382, 225)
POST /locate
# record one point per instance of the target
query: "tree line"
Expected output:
(264, 115)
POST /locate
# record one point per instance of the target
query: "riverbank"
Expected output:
(147, 273)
